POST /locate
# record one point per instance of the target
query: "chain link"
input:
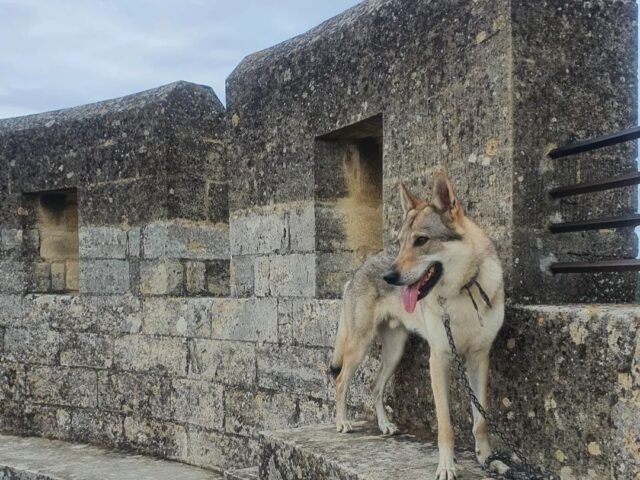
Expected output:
(520, 468)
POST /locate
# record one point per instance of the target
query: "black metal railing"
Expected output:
(618, 181)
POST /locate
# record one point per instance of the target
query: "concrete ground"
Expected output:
(31, 458)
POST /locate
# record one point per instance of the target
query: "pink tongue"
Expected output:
(410, 297)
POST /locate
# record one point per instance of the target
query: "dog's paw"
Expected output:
(388, 428)
(444, 473)
(446, 468)
(344, 426)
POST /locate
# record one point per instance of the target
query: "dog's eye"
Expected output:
(418, 242)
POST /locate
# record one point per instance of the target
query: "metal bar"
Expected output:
(595, 143)
(618, 181)
(626, 265)
(596, 224)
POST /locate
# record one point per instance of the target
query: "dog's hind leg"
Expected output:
(355, 351)
(477, 365)
(393, 341)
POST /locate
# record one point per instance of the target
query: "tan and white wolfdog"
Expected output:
(443, 257)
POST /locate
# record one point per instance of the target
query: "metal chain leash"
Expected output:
(520, 467)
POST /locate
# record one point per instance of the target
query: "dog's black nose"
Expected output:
(391, 277)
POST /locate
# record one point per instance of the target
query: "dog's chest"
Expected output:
(472, 329)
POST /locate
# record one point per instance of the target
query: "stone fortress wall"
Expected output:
(170, 269)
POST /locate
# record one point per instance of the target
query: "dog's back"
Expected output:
(359, 304)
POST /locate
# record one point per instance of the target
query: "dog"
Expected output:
(444, 261)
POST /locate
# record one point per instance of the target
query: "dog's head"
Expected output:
(431, 240)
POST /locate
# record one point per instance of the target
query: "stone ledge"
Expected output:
(250, 473)
(33, 458)
(320, 453)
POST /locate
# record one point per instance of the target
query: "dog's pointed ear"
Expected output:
(408, 201)
(444, 198)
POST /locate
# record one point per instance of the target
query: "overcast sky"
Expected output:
(61, 53)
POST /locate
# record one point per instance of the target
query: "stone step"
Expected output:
(32, 458)
(318, 452)
(250, 473)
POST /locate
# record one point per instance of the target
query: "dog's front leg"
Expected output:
(439, 363)
(478, 372)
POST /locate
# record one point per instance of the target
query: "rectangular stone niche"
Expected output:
(51, 244)
(348, 202)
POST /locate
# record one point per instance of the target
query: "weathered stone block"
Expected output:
(59, 245)
(218, 202)
(195, 276)
(31, 242)
(144, 394)
(316, 452)
(184, 317)
(198, 402)
(64, 312)
(102, 242)
(12, 381)
(86, 350)
(97, 427)
(217, 278)
(10, 310)
(132, 202)
(294, 370)
(292, 275)
(75, 387)
(72, 275)
(302, 229)
(242, 276)
(116, 314)
(315, 412)
(134, 242)
(36, 345)
(104, 276)
(251, 319)
(12, 276)
(10, 242)
(229, 363)
(167, 356)
(218, 450)
(186, 240)
(333, 271)
(161, 277)
(258, 232)
(261, 273)
(39, 277)
(160, 438)
(329, 222)
(248, 412)
(58, 280)
(308, 322)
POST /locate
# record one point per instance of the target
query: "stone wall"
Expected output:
(213, 244)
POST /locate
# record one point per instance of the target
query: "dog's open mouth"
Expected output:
(411, 294)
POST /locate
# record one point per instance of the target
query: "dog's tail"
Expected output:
(341, 337)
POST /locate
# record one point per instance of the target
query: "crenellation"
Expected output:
(171, 268)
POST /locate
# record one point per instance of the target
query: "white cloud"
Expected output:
(58, 54)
